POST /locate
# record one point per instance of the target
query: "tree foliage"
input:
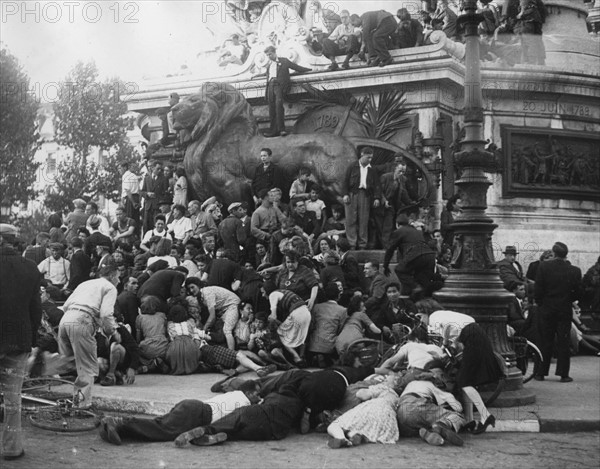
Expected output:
(17, 131)
(89, 116)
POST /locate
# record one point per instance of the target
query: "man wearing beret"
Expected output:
(20, 317)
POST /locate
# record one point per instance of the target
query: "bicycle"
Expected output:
(53, 406)
(526, 353)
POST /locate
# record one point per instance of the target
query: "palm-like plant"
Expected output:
(385, 116)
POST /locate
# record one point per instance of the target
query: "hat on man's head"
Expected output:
(8, 230)
(94, 221)
(234, 206)
(402, 219)
(510, 250)
(58, 246)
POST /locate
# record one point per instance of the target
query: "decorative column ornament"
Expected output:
(474, 286)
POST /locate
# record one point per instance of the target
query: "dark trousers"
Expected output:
(384, 220)
(559, 326)
(246, 423)
(357, 219)
(149, 214)
(275, 92)
(186, 415)
(419, 271)
(377, 45)
(132, 209)
(331, 48)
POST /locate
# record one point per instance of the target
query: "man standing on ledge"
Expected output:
(362, 190)
(557, 286)
(278, 83)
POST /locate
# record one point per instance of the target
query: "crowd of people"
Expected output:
(171, 287)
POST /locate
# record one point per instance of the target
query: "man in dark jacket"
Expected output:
(268, 175)
(154, 190)
(20, 317)
(362, 190)
(416, 260)
(557, 286)
(352, 274)
(232, 231)
(377, 27)
(81, 265)
(278, 83)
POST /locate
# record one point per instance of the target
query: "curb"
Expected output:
(530, 425)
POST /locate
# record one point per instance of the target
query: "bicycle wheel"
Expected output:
(531, 362)
(60, 420)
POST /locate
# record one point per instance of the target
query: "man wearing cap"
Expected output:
(56, 270)
(20, 317)
(557, 286)
(76, 219)
(96, 238)
(362, 191)
(509, 269)
(89, 307)
(232, 232)
(91, 209)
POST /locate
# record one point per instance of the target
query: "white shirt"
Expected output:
(448, 324)
(180, 227)
(417, 355)
(317, 206)
(364, 170)
(272, 70)
(97, 295)
(224, 404)
(130, 184)
(150, 233)
(57, 272)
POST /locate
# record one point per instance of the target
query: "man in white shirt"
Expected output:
(181, 227)
(342, 41)
(130, 192)
(160, 230)
(56, 270)
(89, 307)
(185, 416)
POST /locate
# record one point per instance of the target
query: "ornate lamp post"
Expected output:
(474, 286)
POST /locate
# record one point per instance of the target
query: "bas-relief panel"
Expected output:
(549, 163)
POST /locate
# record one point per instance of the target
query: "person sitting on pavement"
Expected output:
(119, 357)
(394, 310)
(184, 416)
(355, 326)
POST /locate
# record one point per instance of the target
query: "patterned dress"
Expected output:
(375, 419)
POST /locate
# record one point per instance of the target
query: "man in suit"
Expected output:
(509, 269)
(268, 175)
(232, 231)
(557, 286)
(517, 318)
(155, 188)
(20, 317)
(278, 83)
(362, 190)
(352, 274)
(416, 260)
(81, 265)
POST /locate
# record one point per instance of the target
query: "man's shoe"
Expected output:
(209, 440)
(109, 430)
(108, 381)
(346, 65)
(188, 436)
(566, 379)
(539, 377)
(447, 434)
(283, 133)
(385, 62)
(271, 134)
(431, 438)
(305, 423)
(336, 443)
(16, 456)
(333, 67)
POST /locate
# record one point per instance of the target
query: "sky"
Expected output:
(128, 39)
